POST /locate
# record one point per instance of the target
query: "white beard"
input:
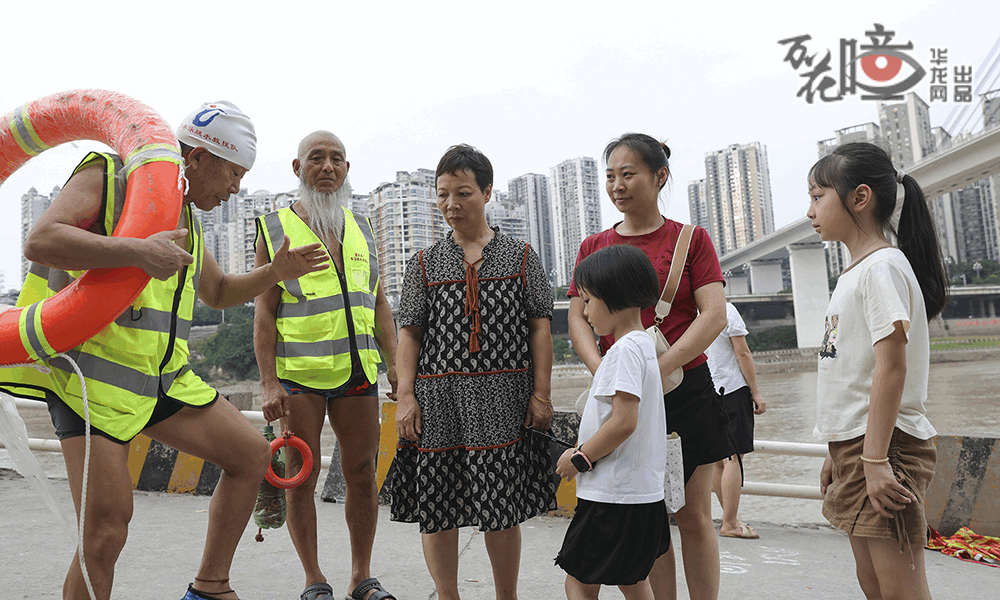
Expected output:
(326, 216)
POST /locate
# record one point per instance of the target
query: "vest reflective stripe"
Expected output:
(24, 133)
(320, 348)
(148, 319)
(309, 308)
(314, 326)
(122, 363)
(113, 374)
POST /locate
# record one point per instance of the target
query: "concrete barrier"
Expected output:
(966, 486)
(156, 467)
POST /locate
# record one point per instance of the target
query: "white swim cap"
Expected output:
(223, 129)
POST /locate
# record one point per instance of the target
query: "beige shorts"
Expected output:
(847, 506)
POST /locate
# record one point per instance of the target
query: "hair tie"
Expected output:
(899, 176)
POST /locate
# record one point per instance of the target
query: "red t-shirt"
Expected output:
(702, 267)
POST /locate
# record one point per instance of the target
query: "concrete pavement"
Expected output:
(167, 534)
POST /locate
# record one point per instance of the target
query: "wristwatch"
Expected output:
(581, 462)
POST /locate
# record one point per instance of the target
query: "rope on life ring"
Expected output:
(153, 198)
(290, 439)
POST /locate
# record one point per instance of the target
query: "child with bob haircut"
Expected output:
(621, 525)
(874, 362)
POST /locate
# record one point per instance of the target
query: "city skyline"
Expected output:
(575, 84)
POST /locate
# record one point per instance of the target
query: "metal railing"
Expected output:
(783, 490)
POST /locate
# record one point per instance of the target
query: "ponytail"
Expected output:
(857, 163)
(918, 241)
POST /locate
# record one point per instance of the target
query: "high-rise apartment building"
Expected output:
(230, 229)
(405, 218)
(507, 215)
(906, 126)
(576, 211)
(698, 203)
(737, 196)
(532, 192)
(965, 219)
(33, 205)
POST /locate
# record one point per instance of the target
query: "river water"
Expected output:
(964, 399)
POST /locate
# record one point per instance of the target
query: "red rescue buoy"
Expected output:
(307, 462)
(152, 204)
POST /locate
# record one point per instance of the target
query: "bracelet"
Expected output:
(540, 399)
(875, 460)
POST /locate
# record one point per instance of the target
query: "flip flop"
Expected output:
(317, 591)
(368, 585)
(746, 533)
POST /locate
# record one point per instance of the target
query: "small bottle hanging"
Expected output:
(269, 513)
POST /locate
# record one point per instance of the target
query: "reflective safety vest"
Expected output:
(135, 358)
(317, 318)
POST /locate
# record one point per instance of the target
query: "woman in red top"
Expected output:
(637, 170)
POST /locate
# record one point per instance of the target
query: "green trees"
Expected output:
(231, 348)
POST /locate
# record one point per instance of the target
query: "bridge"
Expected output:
(756, 267)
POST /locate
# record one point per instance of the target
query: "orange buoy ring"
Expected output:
(152, 204)
(307, 462)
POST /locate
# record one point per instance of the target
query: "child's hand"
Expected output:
(826, 475)
(885, 491)
(564, 467)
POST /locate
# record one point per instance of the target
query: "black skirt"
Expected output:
(694, 411)
(614, 544)
(739, 410)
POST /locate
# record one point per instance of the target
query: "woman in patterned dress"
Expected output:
(474, 362)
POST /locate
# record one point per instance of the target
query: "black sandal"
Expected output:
(317, 591)
(368, 585)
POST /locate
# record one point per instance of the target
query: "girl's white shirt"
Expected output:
(870, 298)
(634, 472)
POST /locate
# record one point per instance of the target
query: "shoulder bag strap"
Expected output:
(676, 270)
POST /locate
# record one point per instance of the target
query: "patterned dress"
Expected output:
(474, 465)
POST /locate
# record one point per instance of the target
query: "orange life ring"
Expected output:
(307, 462)
(152, 204)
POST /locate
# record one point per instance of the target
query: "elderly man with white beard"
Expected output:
(317, 340)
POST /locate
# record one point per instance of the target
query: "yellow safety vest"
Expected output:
(135, 358)
(315, 324)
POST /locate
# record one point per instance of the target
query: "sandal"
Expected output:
(196, 594)
(368, 585)
(317, 591)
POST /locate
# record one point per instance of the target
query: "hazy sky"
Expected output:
(529, 83)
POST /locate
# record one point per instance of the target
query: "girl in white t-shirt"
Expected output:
(621, 525)
(873, 364)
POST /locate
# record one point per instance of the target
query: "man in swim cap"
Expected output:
(326, 362)
(136, 369)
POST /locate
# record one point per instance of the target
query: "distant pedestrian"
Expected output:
(621, 525)
(872, 381)
(734, 375)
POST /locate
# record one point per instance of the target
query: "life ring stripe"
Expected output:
(151, 153)
(32, 336)
(24, 133)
